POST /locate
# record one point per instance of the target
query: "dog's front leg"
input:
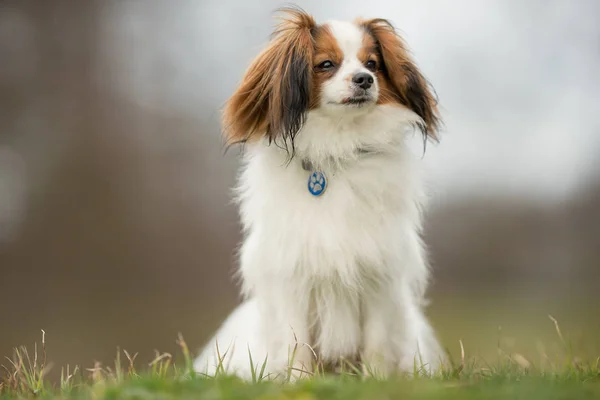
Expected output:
(397, 335)
(379, 353)
(287, 336)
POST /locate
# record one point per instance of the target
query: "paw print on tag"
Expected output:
(317, 183)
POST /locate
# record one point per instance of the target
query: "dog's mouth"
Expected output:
(357, 100)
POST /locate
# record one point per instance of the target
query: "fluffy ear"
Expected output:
(409, 85)
(274, 95)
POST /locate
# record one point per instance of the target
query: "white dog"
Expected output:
(332, 264)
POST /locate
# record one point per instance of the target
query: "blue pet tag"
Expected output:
(317, 183)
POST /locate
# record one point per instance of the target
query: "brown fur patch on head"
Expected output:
(369, 50)
(326, 49)
(274, 95)
(399, 78)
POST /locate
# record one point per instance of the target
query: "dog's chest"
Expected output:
(347, 231)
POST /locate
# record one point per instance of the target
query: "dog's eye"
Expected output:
(325, 65)
(371, 65)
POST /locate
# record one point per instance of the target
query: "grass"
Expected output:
(510, 376)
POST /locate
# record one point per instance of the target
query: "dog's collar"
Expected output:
(308, 165)
(317, 181)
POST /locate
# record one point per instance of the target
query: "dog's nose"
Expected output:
(363, 80)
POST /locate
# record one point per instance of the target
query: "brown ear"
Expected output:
(409, 85)
(274, 95)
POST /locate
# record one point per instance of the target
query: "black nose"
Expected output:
(363, 80)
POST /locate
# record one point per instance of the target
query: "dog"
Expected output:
(332, 265)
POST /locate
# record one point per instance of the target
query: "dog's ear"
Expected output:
(274, 95)
(408, 83)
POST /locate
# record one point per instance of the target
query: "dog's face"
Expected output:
(348, 67)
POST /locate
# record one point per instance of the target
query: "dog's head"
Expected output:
(337, 66)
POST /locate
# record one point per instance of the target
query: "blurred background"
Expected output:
(116, 227)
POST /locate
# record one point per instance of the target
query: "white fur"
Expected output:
(344, 273)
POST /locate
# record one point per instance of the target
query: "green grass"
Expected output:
(560, 375)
